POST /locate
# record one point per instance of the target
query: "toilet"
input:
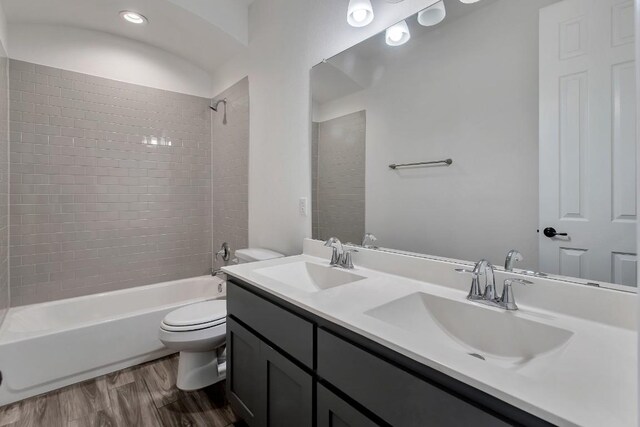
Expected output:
(198, 332)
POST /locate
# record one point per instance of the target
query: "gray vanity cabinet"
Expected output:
(265, 388)
(243, 354)
(288, 391)
(332, 411)
(373, 382)
(290, 368)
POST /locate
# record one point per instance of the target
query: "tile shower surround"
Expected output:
(93, 208)
(230, 168)
(4, 188)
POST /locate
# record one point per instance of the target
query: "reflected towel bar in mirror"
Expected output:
(446, 162)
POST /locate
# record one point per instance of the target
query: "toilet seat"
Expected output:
(189, 328)
(193, 317)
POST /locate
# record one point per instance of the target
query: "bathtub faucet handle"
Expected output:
(224, 252)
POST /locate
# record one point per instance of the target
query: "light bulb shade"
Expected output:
(432, 15)
(359, 13)
(397, 34)
(469, 1)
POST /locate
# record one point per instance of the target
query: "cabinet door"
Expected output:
(288, 390)
(335, 412)
(244, 374)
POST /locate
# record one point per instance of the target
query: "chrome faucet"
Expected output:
(340, 257)
(489, 295)
(224, 252)
(346, 261)
(512, 257)
(335, 244)
(507, 300)
(367, 241)
(485, 268)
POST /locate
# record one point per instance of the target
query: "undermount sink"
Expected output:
(482, 332)
(308, 276)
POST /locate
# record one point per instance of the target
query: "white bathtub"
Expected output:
(51, 345)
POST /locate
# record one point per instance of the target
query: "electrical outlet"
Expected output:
(303, 207)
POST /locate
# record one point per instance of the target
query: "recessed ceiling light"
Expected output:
(133, 17)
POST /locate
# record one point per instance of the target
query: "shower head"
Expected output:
(215, 108)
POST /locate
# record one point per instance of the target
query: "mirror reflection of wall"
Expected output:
(338, 177)
(470, 89)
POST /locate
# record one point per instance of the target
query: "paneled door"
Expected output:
(588, 140)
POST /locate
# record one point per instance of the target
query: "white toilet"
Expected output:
(199, 330)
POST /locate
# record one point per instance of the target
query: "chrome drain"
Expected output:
(477, 356)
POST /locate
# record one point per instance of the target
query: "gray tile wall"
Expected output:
(4, 184)
(230, 170)
(340, 178)
(93, 208)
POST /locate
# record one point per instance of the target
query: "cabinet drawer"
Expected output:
(393, 394)
(289, 332)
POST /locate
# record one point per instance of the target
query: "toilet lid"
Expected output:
(197, 314)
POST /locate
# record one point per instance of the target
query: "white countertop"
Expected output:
(590, 381)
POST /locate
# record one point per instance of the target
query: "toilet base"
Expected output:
(200, 369)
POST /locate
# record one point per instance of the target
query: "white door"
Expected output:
(588, 140)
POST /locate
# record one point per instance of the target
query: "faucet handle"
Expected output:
(224, 252)
(466, 271)
(346, 260)
(335, 256)
(475, 293)
(507, 300)
(514, 280)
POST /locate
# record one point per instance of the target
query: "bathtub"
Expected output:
(54, 344)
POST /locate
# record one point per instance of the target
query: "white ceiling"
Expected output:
(205, 32)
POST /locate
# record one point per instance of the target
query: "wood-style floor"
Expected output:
(142, 396)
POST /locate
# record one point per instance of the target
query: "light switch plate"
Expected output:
(303, 206)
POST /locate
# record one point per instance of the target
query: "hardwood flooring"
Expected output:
(141, 396)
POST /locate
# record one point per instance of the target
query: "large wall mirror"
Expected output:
(526, 109)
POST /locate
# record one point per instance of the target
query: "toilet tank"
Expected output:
(256, 254)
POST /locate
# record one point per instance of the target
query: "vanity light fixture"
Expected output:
(359, 13)
(397, 34)
(469, 1)
(133, 17)
(432, 15)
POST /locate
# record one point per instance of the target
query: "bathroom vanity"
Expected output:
(400, 345)
(284, 361)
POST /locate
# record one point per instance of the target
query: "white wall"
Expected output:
(286, 39)
(4, 30)
(105, 55)
(468, 91)
(637, 33)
